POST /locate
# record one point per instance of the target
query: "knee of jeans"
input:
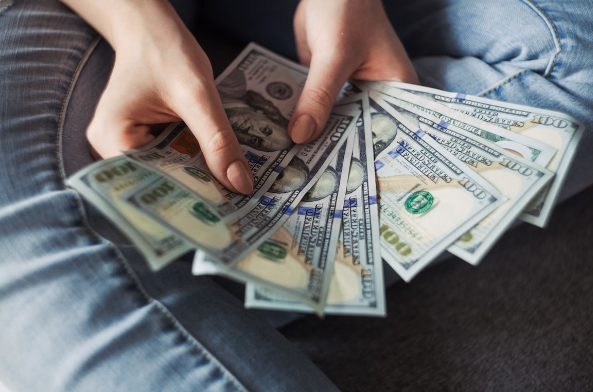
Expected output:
(507, 35)
(5, 4)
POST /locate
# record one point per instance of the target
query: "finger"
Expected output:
(387, 62)
(202, 111)
(325, 80)
(120, 122)
(385, 56)
(300, 35)
(111, 139)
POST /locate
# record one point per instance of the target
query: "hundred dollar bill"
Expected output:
(189, 215)
(427, 197)
(523, 146)
(356, 286)
(344, 281)
(302, 262)
(259, 91)
(104, 182)
(557, 130)
(516, 178)
(295, 261)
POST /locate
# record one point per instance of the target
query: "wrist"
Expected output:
(125, 23)
(153, 20)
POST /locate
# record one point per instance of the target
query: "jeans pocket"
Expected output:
(553, 32)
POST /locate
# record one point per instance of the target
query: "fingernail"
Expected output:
(240, 177)
(303, 129)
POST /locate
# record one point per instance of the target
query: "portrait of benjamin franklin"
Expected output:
(293, 177)
(384, 130)
(356, 176)
(255, 120)
(325, 186)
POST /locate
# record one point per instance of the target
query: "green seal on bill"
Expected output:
(272, 251)
(202, 211)
(197, 173)
(419, 202)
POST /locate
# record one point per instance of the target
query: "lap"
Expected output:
(77, 311)
(84, 311)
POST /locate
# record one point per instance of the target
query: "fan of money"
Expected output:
(400, 173)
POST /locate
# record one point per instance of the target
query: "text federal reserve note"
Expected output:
(427, 197)
(516, 178)
(356, 286)
(259, 91)
(557, 130)
(186, 213)
(523, 146)
(298, 260)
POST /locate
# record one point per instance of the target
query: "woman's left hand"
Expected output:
(338, 40)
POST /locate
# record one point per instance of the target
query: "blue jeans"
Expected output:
(80, 310)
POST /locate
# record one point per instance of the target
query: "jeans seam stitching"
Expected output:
(66, 102)
(497, 86)
(131, 275)
(538, 10)
(552, 62)
(162, 308)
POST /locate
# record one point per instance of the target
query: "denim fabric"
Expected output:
(79, 309)
(78, 313)
(530, 52)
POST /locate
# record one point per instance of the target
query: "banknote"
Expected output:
(427, 197)
(309, 238)
(341, 298)
(523, 146)
(356, 286)
(104, 182)
(259, 91)
(516, 178)
(297, 261)
(187, 214)
(558, 130)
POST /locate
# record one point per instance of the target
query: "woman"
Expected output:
(77, 312)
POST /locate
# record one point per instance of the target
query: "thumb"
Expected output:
(206, 118)
(121, 118)
(110, 135)
(325, 80)
(113, 130)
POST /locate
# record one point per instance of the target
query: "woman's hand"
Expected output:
(160, 75)
(338, 40)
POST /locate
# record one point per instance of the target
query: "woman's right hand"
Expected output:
(161, 74)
